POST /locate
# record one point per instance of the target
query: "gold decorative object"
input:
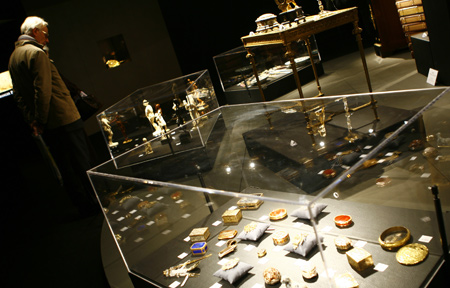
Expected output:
(369, 163)
(176, 196)
(232, 216)
(250, 227)
(298, 239)
(290, 12)
(125, 198)
(199, 248)
(412, 254)
(280, 237)
(286, 5)
(271, 276)
(351, 136)
(359, 259)
(394, 237)
(199, 234)
(182, 270)
(383, 181)
(231, 246)
(266, 23)
(346, 280)
(146, 204)
(415, 145)
(249, 203)
(227, 234)
(309, 271)
(278, 214)
(430, 152)
(343, 220)
(343, 243)
(230, 264)
(329, 173)
(261, 252)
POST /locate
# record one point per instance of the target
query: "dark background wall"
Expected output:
(165, 39)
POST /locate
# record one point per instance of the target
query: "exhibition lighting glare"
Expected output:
(322, 144)
(252, 165)
(228, 170)
(370, 130)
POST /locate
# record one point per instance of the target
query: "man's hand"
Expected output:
(36, 128)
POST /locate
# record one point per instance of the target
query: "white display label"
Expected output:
(326, 229)
(263, 218)
(380, 267)
(217, 223)
(220, 243)
(425, 239)
(182, 255)
(360, 244)
(249, 247)
(432, 76)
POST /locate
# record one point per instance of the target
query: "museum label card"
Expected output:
(380, 267)
(432, 76)
(425, 239)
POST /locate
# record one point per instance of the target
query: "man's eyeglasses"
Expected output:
(45, 34)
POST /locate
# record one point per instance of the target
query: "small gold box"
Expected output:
(359, 259)
(249, 203)
(199, 234)
(232, 216)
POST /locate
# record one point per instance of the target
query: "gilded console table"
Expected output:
(303, 31)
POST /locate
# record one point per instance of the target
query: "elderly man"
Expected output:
(49, 109)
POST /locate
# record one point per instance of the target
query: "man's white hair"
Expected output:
(30, 23)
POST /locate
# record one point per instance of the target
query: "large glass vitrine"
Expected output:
(273, 68)
(146, 124)
(286, 177)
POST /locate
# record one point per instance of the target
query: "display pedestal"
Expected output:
(272, 90)
(287, 151)
(422, 53)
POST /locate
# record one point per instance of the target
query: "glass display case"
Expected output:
(146, 124)
(312, 192)
(273, 67)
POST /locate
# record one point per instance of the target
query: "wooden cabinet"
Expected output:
(412, 18)
(390, 35)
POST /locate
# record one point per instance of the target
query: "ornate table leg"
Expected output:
(290, 55)
(251, 57)
(308, 46)
(357, 33)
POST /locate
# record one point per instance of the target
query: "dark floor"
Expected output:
(46, 245)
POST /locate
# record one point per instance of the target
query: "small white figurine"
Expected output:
(151, 117)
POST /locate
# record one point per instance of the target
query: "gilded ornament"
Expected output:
(412, 254)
